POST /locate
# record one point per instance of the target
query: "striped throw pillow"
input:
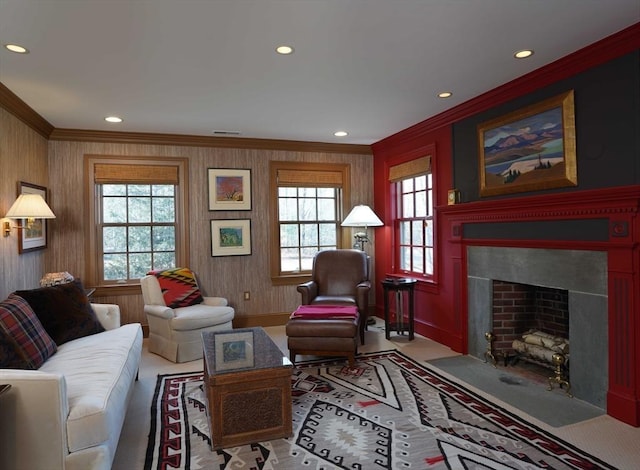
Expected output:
(179, 287)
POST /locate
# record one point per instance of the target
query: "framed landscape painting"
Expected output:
(229, 189)
(531, 149)
(230, 237)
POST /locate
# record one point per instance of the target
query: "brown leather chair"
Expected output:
(340, 277)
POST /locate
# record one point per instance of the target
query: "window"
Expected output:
(137, 229)
(138, 206)
(414, 217)
(307, 208)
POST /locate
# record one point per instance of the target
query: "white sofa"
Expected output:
(69, 413)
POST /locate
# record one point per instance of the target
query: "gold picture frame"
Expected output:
(531, 149)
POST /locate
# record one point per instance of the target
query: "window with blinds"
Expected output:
(414, 220)
(307, 209)
(138, 206)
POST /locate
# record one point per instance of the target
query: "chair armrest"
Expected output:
(159, 311)
(108, 314)
(309, 291)
(34, 411)
(362, 296)
(215, 301)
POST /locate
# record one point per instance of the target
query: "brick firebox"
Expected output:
(518, 308)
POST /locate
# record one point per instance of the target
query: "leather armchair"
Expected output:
(176, 333)
(339, 277)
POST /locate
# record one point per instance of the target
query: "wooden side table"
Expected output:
(398, 286)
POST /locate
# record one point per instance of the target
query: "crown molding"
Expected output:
(13, 104)
(81, 135)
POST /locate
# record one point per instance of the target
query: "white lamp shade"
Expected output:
(362, 216)
(30, 206)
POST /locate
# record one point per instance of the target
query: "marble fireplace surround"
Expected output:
(582, 273)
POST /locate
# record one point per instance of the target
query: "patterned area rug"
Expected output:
(389, 412)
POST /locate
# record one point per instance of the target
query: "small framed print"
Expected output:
(231, 237)
(35, 237)
(229, 189)
(453, 196)
(234, 350)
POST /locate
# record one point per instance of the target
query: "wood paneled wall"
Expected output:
(23, 157)
(224, 276)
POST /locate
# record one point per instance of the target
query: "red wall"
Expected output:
(441, 306)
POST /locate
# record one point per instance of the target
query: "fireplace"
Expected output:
(586, 242)
(582, 274)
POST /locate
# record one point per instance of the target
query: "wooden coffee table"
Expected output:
(247, 383)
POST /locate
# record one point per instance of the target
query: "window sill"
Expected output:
(290, 280)
(115, 290)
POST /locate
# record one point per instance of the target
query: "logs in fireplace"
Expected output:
(540, 348)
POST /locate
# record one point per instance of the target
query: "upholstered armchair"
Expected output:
(339, 277)
(178, 314)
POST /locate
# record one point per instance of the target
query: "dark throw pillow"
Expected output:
(64, 311)
(24, 343)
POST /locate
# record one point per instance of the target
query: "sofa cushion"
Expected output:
(20, 323)
(179, 287)
(64, 311)
(98, 371)
(200, 316)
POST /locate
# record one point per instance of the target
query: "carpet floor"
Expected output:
(388, 412)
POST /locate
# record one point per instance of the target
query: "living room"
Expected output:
(598, 213)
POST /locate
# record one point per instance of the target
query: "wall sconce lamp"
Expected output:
(30, 207)
(361, 216)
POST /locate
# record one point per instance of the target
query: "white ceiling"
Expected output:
(370, 67)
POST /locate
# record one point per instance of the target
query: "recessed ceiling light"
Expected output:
(113, 119)
(341, 134)
(17, 48)
(445, 94)
(284, 50)
(523, 54)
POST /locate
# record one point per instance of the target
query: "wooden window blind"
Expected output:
(419, 166)
(311, 177)
(110, 173)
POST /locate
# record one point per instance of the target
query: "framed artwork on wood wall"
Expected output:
(34, 237)
(229, 189)
(230, 237)
(531, 149)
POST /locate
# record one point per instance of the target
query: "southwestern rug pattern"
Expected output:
(389, 412)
